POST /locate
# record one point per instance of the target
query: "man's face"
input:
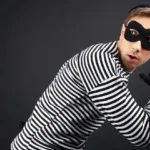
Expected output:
(132, 53)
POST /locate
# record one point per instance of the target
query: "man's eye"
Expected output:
(148, 38)
(133, 32)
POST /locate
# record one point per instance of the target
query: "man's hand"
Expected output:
(146, 78)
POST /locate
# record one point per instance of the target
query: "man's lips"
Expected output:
(133, 56)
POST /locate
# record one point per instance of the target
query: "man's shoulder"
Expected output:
(101, 47)
(101, 56)
(99, 50)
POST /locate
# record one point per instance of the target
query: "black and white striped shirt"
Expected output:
(88, 89)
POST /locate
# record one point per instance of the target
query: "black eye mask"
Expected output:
(143, 36)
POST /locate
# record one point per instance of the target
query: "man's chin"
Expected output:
(130, 68)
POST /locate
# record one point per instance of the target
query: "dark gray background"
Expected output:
(36, 38)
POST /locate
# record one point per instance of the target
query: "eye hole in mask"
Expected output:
(136, 32)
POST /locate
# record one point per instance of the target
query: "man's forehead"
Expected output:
(144, 21)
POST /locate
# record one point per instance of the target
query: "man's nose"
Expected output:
(137, 47)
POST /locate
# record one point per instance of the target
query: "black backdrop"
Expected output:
(36, 37)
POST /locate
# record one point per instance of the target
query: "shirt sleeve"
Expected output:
(114, 101)
(107, 88)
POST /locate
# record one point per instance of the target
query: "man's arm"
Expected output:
(106, 83)
(114, 101)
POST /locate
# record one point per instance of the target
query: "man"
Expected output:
(90, 88)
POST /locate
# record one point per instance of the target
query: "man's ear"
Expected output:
(122, 31)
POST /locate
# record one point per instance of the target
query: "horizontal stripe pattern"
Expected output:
(88, 89)
(115, 102)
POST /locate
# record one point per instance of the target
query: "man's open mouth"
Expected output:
(133, 57)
